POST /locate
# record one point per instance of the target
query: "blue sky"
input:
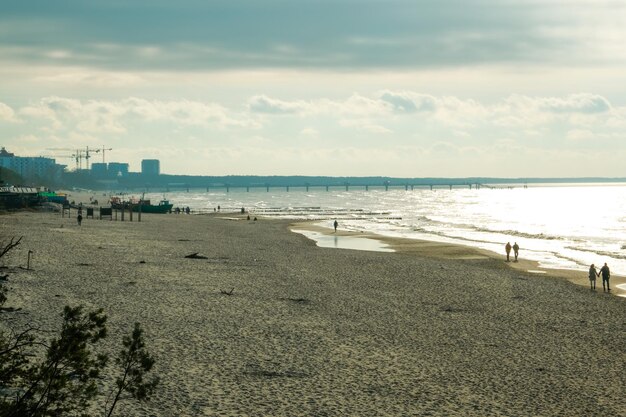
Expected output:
(344, 87)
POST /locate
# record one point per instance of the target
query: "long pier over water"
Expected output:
(326, 187)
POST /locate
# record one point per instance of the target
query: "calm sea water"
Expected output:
(561, 226)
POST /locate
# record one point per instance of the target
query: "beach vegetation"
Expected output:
(63, 376)
(6, 247)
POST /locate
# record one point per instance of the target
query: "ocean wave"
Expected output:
(609, 254)
(482, 229)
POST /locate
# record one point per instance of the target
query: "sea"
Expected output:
(562, 226)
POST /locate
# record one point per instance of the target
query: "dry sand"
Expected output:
(311, 331)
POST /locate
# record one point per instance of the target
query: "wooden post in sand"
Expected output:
(28, 260)
(139, 214)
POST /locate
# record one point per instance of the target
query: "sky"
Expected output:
(400, 88)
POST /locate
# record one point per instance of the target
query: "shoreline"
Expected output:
(268, 323)
(440, 250)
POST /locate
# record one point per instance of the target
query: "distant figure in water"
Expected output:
(79, 218)
(507, 248)
(593, 274)
(336, 224)
(606, 275)
(515, 251)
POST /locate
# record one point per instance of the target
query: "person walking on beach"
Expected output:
(515, 251)
(79, 218)
(507, 248)
(336, 224)
(606, 275)
(593, 274)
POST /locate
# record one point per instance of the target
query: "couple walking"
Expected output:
(508, 247)
(606, 275)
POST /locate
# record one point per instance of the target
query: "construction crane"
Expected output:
(77, 155)
(80, 154)
(103, 150)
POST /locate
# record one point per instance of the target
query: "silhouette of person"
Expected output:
(336, 224)
(515, 250)
(79, 218)
(593, 274)
(507, 248)
(606, 275)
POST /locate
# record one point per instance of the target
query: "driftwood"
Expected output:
(228, 292)
(196, 256)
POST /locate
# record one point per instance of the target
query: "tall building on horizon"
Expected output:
(150, 167)
(117, 169)
(30, 167)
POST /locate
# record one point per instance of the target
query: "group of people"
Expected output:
(508, 248)
(593, 273)
(606, 276)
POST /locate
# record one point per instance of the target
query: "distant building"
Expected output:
(150, 167)
(99, 169)
(117, 169)
(30, 167)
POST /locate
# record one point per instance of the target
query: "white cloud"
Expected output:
(88, 77)
(7, 114)
(409, 102)
(264, 104)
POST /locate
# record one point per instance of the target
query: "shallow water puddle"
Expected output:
(346, 242)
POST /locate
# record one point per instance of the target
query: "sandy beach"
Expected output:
(429, 330)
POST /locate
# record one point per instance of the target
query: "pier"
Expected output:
(329, 187)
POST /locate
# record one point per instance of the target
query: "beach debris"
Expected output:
(4, 277)
(297, 300)
(228, 292)
(142, 262)
(256, 371)
(196, 256)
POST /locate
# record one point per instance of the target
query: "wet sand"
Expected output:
(429, 330)
(440, 250)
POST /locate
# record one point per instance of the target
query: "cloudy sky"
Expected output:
(404, 88)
